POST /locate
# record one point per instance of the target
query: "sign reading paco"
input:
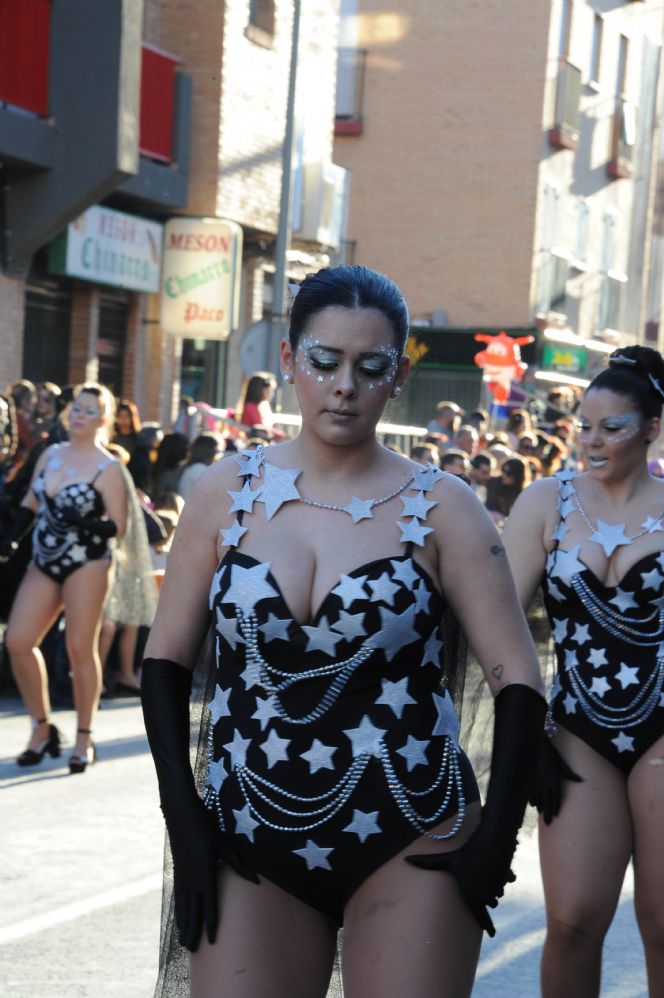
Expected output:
(200, 278)
(109, 247)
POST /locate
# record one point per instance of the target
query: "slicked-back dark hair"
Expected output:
(349, 287)
(635, 371)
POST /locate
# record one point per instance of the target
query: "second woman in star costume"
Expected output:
(332, 752)
(595, 542)
(76, 506)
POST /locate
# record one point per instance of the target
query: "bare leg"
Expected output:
(269, 945)
(36, 607)
(584, 855)
(127, 649)
(84, 593)
(646, 796)
(408, 933)
(106, 636)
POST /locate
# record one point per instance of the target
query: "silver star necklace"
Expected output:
(358, 509)
(612, 535)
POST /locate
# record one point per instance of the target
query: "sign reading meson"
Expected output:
(200, 277)
(109, 247)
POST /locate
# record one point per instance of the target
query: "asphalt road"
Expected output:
(80, 879)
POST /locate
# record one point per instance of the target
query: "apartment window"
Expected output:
(565, 28)
(596, 48)
(261, 21)
(621, 76)
(582, 217)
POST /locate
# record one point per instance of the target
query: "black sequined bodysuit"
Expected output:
(333, 744)
(59, 547)
(609, 644)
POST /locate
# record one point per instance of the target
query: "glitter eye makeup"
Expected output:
(615, 423)
(315, 360)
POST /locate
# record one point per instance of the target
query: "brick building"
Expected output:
(515, 145)
(111, 123)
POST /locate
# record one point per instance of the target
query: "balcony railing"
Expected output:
(623, 140)
(565, 131)
(351, 67)
(157, 103)
(25, 36)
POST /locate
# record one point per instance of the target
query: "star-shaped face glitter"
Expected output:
(278, 487)
(359, 509)
(395, 696)
(610, 536)
(448, 722)
(249, 586)
(364, 824)
(319, 756)
(414, 752)
(315, 856)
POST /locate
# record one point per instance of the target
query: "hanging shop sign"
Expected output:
(109, 247)
(200, 280)
(564, 358)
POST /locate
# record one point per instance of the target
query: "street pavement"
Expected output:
(80, 878)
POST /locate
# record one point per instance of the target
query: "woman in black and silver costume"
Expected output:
(76, 506)
(326, 563)
(595, 542)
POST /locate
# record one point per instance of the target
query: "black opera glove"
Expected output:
(482, 865)
(197, 844)
(20, 526)
(547, 792)
(88, 525)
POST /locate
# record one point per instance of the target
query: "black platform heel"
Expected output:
(77, 763)
(32, 757)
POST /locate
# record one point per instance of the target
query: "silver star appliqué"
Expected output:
(319, 756)
(566, 564)
(652, 580)
(218, 706)
(383, 589)
(275, 628)
(350, 589)
(609, 536)
(237, 749)
(404, 572)
(414, 752)
(265, 711)
(395, 696)
(559, 630)
(230, 538)
(275, 748)
(359, 509)
(364, 824)
(243, 500)
(244, 823)
(321, 638)
(249, 586)
(417, 506)
(227, 628)
(216, 774)
(432, 650)
(366, 739)
(623, 600)
(413, 531)
(315, 856)
(623, 742)
(350, 625)
(395, 632)
(628, 675)
(250, 462)
(448, 722)
(597, 657)
(569, 703)
(278, 487)
(599, 686)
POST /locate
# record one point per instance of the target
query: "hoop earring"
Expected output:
(396, 392)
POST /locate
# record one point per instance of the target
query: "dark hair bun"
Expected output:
(641, 360)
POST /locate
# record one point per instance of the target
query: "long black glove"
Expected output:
(547, 793)
(196, 841)
(88, 525)
(20, 526)
(482, 865)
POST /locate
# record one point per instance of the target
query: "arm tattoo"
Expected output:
(497, 550)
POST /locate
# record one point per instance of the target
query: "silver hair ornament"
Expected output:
(656, 385)
(621, 359)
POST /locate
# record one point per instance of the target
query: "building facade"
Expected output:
(516, 146)
(114, 122)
